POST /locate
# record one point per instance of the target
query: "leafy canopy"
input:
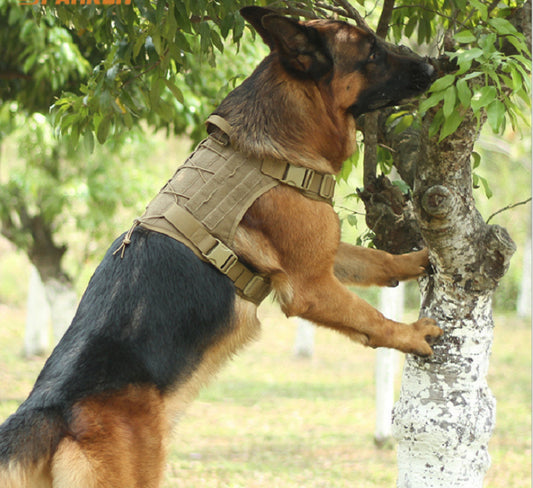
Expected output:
(490, 60)
(105, 68)
(105, 73)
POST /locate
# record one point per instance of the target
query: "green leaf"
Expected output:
(175, 91)
(517, 80)
(503, 26)
(88, 141)
(465, 37)
(352, 220)
(346, 170)
(155, 92)
(433, 100)
(472, 75)
(450, 124)
(481, 8)
(449, 101)
(436, 124)
(404, 123)
(103, 129)
(467, 55)
(442, 83)
(463, 93)
(476, 159)
(518, 43)
(496, 115)
(476, 180)
(156, 40)
(403, 186)
(483, 97)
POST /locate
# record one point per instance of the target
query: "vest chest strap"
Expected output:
(248, 284)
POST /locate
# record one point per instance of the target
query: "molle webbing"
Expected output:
(312, 184)
(202, 205)
(204, 202)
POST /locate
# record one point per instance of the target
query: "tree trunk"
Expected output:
(47, 257)
(391, 305)
(523, 307)
(63, 301)
(34, 234)
(37, 317)
(304, 344)
(446, 412)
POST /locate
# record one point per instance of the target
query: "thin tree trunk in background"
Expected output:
(523, 307)
(304, 344)
(446, 412)
(37, 317)
(392, 306)
(63, 301)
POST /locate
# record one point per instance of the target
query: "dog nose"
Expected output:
(430, 71)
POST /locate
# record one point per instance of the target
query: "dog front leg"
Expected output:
(357, 265)
(328, 303)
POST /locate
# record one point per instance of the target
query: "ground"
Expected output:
(270, 420)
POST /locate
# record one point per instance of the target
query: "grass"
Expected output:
(270, 420)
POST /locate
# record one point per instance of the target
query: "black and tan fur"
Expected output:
(153, 327)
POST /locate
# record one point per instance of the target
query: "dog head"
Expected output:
(354, 69)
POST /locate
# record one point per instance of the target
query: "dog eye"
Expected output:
(373, 56)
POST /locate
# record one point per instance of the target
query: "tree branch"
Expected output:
(508, 207)
(352, 13)
(14, 75)
(385, 18)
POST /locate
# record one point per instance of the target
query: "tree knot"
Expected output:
(438, 201)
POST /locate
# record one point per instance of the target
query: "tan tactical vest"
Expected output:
(205, 200)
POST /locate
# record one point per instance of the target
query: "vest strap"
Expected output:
(248, 284)
(312, 184)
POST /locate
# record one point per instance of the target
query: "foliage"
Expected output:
(491, 60)
(107, 70)
(39, 60)
(62, 185)
(144, 60)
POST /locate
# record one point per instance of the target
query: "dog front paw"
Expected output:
(425, 334)
(410, 266)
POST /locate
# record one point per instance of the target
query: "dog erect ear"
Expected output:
(301, 48)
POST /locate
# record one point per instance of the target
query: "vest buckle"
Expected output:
(221, 256)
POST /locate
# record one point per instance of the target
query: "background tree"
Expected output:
(51, 186)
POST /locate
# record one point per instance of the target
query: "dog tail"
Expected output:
(28, 439)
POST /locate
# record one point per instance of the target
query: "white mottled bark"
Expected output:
(63, 301)
(446, 413)
(392, 306)
(304, 343)
(37, 317)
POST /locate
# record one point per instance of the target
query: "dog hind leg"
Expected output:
(116, 441)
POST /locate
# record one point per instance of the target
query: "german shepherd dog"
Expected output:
(152, 327)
